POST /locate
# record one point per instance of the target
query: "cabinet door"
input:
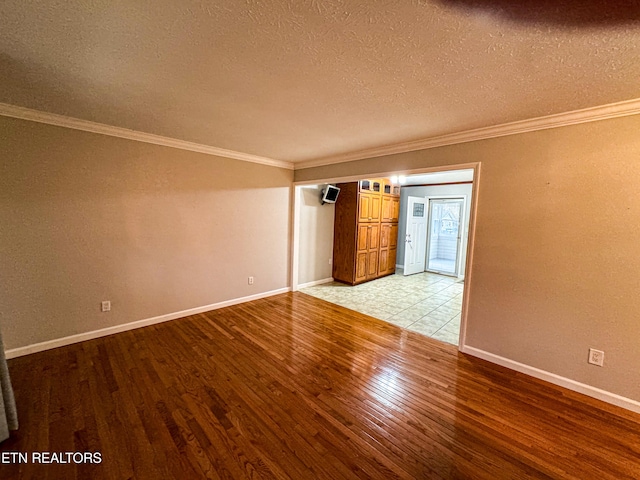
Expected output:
(361, 266)
(374, 236)
(395, 209)
(387, 208)
(376, 207)
(391, 261)
(389, 188)
(363, 238)
(372, 264)
(393, 235)
(364, 207)
(385, 235)
(364, 186)
(383, 262)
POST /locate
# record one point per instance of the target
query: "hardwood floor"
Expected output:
(295, 387)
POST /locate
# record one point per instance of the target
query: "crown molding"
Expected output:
(592, 114)
(100, 128)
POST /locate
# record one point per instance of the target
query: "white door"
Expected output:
(445, 234)
(415, 242)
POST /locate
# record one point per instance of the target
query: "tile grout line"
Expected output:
(356, 298)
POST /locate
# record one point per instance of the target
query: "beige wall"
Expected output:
(316, 235)
(556, 266)
(156, 230)
(556, 269)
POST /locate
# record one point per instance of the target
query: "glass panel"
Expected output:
(418, 209)
(443, 236)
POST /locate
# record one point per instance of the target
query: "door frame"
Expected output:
(294, 250)
(465, 198)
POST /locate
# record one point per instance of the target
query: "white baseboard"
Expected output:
(583, 388)
(103, 332)
(314, 283)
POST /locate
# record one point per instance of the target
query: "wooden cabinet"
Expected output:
(387, 261)
(361, 267)
(390, 208)
(369, 207)
(366, 230)
(388, 246)
(388, 235)
(389, 188)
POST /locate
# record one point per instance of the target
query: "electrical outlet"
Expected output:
(106, 306)
(596, 357)
(330, 260)
(250, 280)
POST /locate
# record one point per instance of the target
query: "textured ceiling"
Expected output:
(297, 80)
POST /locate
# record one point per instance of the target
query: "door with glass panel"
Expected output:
(415, 243)
(444, 236)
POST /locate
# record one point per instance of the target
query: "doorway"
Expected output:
(444, 236)
(436, 230)
(426, 302)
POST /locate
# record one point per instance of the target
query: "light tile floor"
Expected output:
(426, 303)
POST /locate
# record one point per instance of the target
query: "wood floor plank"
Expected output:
(292, 387)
